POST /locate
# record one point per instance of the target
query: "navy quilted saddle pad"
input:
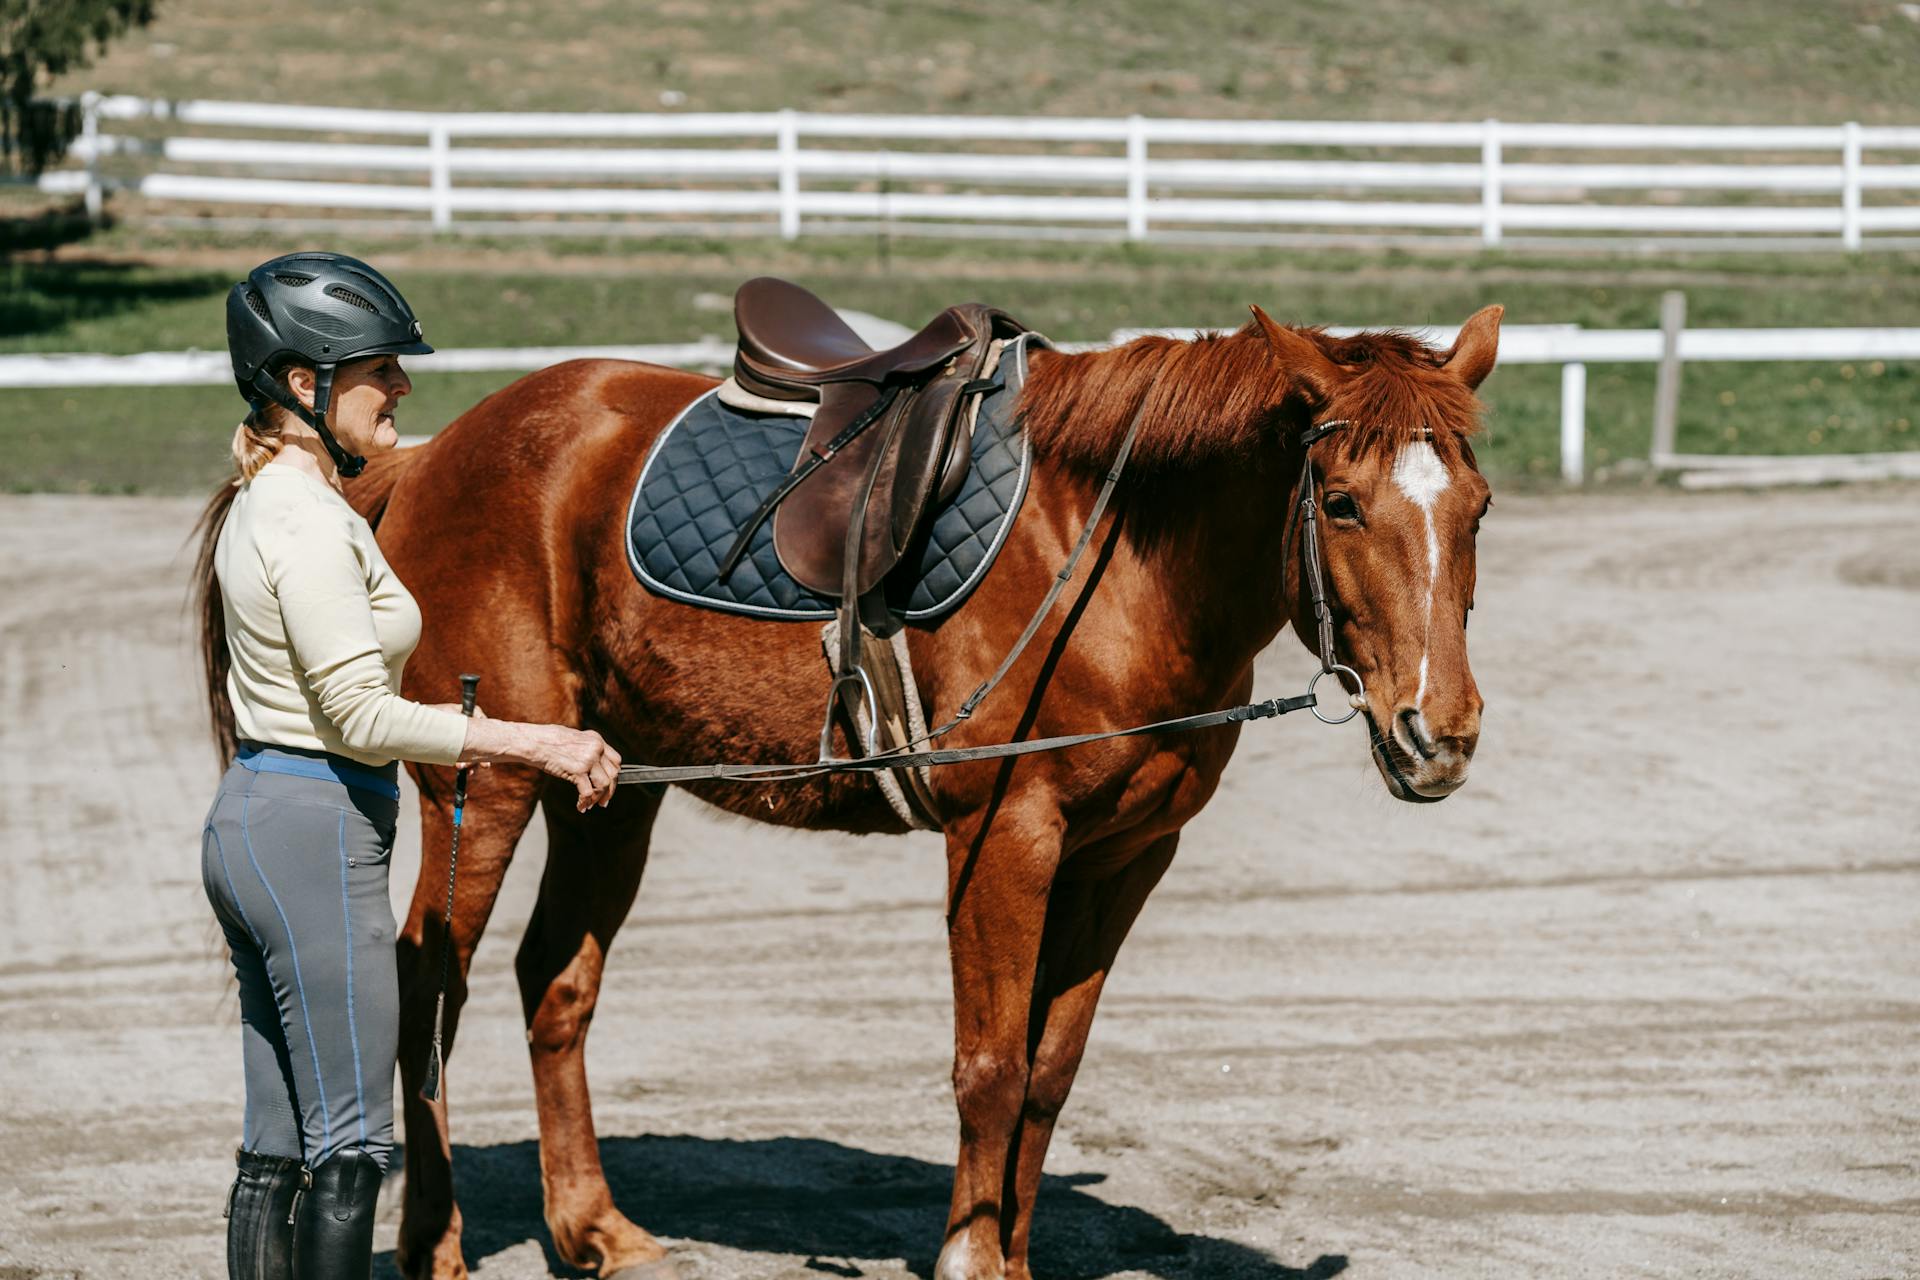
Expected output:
(714, 465)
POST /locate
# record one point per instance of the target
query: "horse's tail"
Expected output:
(370, 491)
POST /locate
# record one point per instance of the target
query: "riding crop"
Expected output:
(430, 1085)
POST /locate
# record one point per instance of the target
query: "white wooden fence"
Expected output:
(1138, 177)
(1569, 346)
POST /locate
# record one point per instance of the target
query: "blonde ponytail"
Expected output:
(255, 441)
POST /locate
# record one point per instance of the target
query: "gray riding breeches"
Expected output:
(294, 857)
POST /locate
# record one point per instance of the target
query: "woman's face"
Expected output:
(365, 393)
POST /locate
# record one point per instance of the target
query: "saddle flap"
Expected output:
(910, 452)
(809, 528)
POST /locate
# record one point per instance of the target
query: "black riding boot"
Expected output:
(260, 1217)
(333, 1234)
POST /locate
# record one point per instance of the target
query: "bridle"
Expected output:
(1323, 616)
(917, 753)
(1316, 584)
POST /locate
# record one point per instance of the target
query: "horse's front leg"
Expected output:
(997, 906)
(594, 864)
(1087, 920)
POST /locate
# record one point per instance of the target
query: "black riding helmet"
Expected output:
(325, 308)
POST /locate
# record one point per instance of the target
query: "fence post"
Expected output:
(1573, 422)
(789, 175)
(441, 175)
(1850, 185)
(90, 139)
(1136, 178)
(1490, 183)
(1666, 392)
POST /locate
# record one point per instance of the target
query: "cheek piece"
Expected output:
(347, 464)
(1316, 583)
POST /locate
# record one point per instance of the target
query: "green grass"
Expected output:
(173, 439)
(587, 294)
(1760, 61)
(1664, 61)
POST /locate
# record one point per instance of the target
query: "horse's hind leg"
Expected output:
(497, 813)
(1087, 920)
(594, 862)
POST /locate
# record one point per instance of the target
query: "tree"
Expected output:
(45, 38)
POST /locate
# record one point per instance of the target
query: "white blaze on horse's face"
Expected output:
(1423, 705)
(1420, 475)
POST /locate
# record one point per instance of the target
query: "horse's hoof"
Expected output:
(658, 1269)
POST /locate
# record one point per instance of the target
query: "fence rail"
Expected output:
(1569, 346)
(1105, 177)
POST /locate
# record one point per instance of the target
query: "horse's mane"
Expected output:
(1210, 399)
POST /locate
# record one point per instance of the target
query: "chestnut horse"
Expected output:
(508, 528)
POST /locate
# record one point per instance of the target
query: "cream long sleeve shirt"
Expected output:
(320, 628)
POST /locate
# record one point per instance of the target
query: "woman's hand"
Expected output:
(581, 756)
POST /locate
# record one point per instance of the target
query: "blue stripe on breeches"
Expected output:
(295, 863)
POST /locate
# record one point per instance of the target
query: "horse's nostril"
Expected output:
(1410, 717)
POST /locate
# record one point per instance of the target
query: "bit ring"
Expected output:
(1355, 702)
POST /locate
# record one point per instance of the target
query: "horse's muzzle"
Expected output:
(1416, 766)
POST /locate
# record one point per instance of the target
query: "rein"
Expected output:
(913, 754)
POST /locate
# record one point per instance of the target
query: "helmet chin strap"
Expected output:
(347, 464)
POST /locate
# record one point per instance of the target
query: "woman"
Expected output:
(306, 630)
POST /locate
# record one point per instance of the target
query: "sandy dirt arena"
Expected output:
(1643, 1000)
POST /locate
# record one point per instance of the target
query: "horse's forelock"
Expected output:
(1399, 391)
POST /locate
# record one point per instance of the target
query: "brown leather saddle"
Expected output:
(889, 443)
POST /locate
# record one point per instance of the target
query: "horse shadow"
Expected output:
(832, 1204)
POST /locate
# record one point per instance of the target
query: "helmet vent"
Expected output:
(324, 323)
(258, 305)
(294, 278)
(351, 298)
(375, 287)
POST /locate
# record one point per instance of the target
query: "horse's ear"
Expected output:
(1478, 345)
(1312, 372)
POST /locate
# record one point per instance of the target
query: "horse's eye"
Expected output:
(1342, 507)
